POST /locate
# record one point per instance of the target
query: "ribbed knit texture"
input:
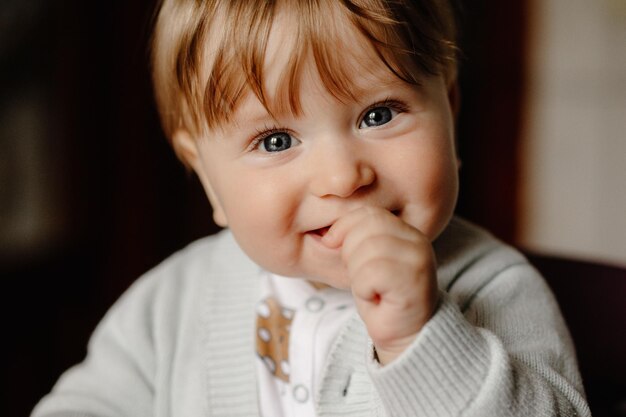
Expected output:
(180, 343)
(229, 347)
(346, 386)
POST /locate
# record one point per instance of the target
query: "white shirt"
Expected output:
(296, 327)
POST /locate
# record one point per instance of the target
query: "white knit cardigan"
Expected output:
(180, 342)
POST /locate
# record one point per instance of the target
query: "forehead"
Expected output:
(342, 63)
(332, 58)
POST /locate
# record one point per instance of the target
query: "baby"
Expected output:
(323, 134)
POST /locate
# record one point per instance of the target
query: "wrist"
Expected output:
(387, 353)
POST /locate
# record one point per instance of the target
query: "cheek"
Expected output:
(252, 213)
(258, 206)
(260, 231)
(430, 183)
(442, 189)
(242, 194)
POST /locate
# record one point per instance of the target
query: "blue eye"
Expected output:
(377, 116)
(276, 142)
(381, 114)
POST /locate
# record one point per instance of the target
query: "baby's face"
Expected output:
(280, 183)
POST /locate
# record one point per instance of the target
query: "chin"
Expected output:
(339, 281)
(323, 270)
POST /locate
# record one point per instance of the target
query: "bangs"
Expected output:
(223, 58)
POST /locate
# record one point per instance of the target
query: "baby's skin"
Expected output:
(392, 274)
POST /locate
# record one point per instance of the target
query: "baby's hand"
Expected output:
(391, 267)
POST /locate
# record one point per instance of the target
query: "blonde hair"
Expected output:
(207, 54)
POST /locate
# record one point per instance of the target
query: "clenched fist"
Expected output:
(392, 272)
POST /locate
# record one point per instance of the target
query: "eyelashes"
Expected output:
(397, 105)
(276, 139)
(272, 139)
(381, 113)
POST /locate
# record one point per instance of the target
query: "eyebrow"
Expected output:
(256, 114)
(242, 118)
(361, 93)
(244, 121)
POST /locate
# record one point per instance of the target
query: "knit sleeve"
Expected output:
(503, 351)
(150, 353)
(116, 377)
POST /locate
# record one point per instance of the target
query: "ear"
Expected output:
(454, 99)
(454, 96)
(186, 148)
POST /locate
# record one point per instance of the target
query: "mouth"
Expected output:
(320, 232)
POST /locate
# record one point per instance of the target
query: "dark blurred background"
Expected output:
(91, 195)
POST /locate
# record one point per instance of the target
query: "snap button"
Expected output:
(314, 304)
(300, 393)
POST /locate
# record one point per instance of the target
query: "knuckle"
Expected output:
(376, 267)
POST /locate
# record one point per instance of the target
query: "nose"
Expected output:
(340, 171)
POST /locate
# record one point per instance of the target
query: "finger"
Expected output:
(415, 253)
(335, 236)
(416, 297)
(366, 284)
(375, 228)
(400, 295)
(418, 218)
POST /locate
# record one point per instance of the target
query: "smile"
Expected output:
(320, 232)
(323, 230)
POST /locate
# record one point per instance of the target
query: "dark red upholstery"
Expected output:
(593, 300)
